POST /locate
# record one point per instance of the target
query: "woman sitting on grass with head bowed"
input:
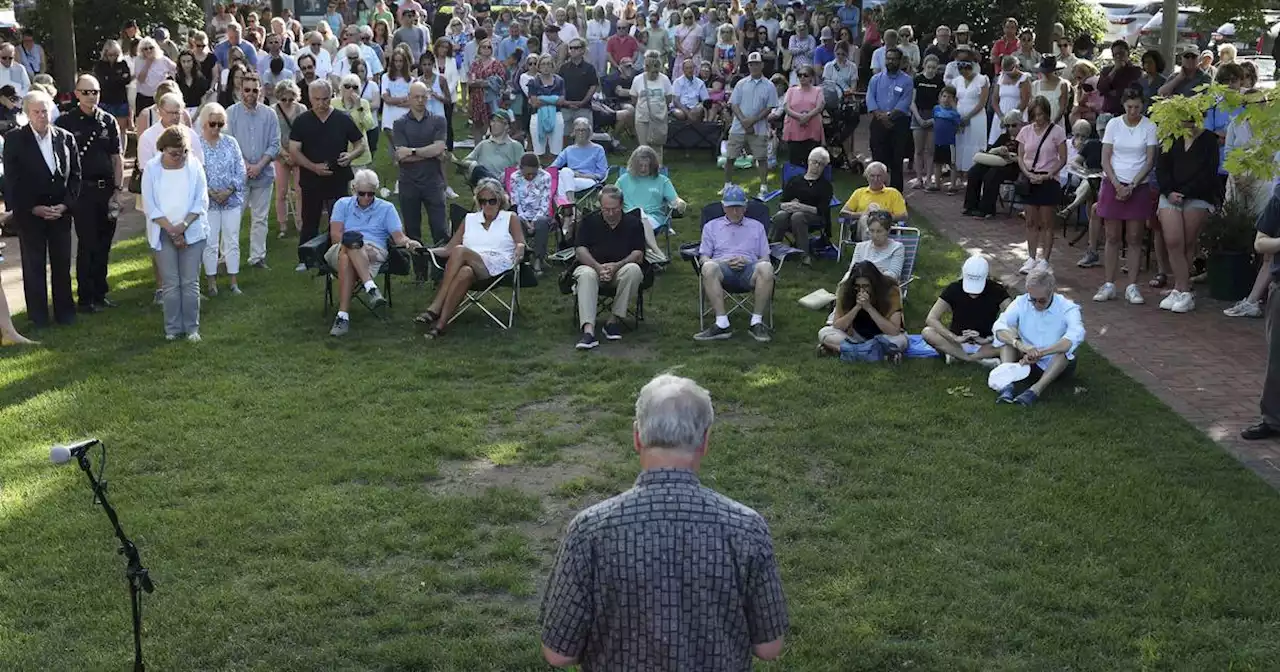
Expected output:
(489, 242)
(868, 308)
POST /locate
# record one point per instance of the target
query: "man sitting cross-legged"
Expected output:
(359, 228)
(1043, 329)
(610, 250)
(735, 254)
(974, 301)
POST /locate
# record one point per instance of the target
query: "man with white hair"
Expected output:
(318, 144)
(13, 73)
(314, 48)
(668, 549)
(420, 142)
(1041, 329)
(274, 46)
(359, 228)
(233, 40)
(42, 175)
(257, 130)
(342, 57)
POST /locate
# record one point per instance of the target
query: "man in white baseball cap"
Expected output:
(975, 302)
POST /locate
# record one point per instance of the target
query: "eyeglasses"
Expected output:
(1040, 301)
(488, 201)
(216, 124)
(575, 47)
(88, 92)
(350, 87)
(148, 48)
(248, 90)
(364, 194)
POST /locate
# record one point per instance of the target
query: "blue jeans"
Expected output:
(741, 280)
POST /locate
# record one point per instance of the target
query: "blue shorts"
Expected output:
(737, 281)
(116, 109)
(1187, 204)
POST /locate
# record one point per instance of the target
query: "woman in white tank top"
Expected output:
(1014, 93)
(490, 242)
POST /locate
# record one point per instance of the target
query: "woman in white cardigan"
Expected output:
(175, 197)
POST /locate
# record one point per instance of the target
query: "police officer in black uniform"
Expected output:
(98, 137)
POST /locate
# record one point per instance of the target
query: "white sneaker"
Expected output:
(1169, 300)
(449, 192)
(1043, 265)
(1244, 308)
(300, 268)
(194, 337)
(763, 191)
(1027, 267)
(1186, 302)
(1106, 293)
(1134, 295)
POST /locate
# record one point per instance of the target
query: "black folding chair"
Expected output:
(740, 298)
(312, 254)
(608, 293)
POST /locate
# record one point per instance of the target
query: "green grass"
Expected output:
(307, 503)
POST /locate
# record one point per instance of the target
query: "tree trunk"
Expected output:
(62, 33)
(1046, 16)
(1169, 35)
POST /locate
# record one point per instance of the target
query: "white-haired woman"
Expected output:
(645, 187)
(151, 68)
(114, 75)
(175, 200)
(651, 94)
(350, 101)
(488, 242)
(287, 108)
(225, 176)
(583, 164)
(805, 204)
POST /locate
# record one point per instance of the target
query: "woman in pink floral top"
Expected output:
(531, 199)
(802, 128)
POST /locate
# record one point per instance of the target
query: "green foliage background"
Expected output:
(98, 20)
(986, 17)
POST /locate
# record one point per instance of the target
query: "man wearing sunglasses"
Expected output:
(257, 130)
(359, 228)
(1041, 329)
(13, 73)
(102, 178)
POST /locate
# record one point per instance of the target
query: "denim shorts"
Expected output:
(740, 280)
(1187, 204)
(116, 109)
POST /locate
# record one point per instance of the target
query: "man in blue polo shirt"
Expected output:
(889, 102)
(359, 229)
(221, 51)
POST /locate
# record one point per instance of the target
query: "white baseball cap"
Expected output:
(974, 275)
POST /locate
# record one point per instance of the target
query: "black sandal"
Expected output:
(1160, 281)
(433, 333)
(427, 318)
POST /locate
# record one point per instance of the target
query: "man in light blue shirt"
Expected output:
(223, 48)
(1041, 329)
(514, 40)
(689, 92)
(257, 130)
(889, 102)
(752, 100)
(359, 229)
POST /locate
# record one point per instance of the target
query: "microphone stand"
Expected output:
(134, 572)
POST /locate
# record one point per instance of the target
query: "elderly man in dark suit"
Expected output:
(42, 175)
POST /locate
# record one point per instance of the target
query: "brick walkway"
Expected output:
(1204, 365)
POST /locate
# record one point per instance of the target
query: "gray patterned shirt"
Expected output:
(668, 575)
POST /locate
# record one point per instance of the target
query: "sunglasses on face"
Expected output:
(88, 92)
(364, 194)
(350, 87)
(1040, 302)
(217, 124)
(487, 201)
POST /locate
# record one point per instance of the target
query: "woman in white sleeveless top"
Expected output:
(489, 242)
(1013, 93)
(1053, 88)
(972, 91)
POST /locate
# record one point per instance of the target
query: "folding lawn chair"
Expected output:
(398, 263)
(739, 298)
(483, 294)
(909, 236)
(666, 229)
(563, 210)
(790, 171)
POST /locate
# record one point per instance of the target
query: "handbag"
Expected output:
(1022, 186)
(135, 181)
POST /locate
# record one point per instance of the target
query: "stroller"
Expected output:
(839, 120)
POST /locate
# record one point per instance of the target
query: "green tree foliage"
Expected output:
(985, 17)
(1177, 117)
(98, 20)
(1245, 14)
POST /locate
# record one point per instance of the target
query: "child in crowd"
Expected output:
(946, 119)
(725, 61)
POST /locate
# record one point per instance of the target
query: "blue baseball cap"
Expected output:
(734, 195)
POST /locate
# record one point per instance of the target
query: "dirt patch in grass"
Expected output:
(740, 416)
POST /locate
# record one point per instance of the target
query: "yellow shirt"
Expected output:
(888, 199)
(363, 118)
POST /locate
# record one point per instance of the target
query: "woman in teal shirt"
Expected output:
(644, 186)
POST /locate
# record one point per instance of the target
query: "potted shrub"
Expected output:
(1228, 245)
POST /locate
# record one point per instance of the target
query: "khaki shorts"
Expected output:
(757, 145)
(376, 256)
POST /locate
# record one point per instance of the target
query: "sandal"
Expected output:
(931, 187)
(1160, 281)
(427, 318)
(433, 333)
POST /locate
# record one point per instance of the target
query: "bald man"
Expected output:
(419, 139)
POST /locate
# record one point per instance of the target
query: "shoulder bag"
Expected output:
(1022, 186)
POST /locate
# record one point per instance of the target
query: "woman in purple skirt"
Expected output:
(1127, 198)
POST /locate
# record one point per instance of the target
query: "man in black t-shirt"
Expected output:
(975, 302)
(323, 141)
(610, 250)
(1268, 243)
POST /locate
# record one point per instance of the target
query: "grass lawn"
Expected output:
(381, 502)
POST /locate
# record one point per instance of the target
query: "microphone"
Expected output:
(64, 454)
